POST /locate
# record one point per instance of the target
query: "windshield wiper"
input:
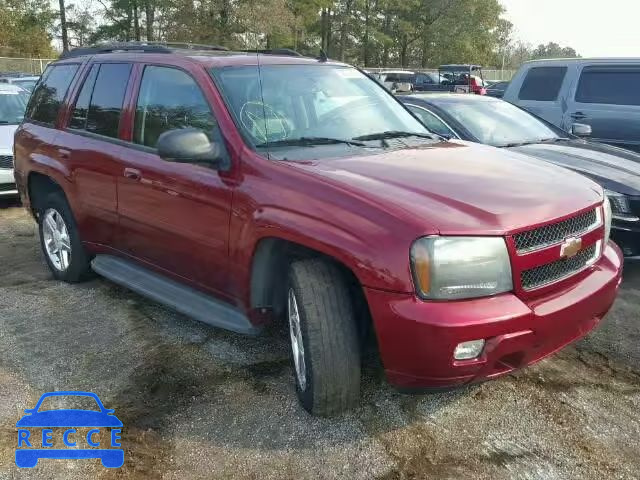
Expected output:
(394, 134)
(309, 142)
(532, 142)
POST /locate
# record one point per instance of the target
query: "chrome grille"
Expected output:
(6, 161)
(555, 233)
(558, 270)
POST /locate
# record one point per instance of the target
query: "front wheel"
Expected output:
(324, 338)
(60, 240)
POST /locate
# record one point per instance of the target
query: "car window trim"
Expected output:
(421, 107)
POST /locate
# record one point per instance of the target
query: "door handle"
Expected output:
(132, 173)
(578, 116)
(64, 153)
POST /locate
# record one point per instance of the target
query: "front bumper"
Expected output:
(7, 183)
(417, 338)
(627, 237)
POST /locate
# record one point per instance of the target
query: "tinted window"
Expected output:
(433, 123)
(617, 86)
(47, 98)
(169, 99)
(105, 107)
(81, 109)
(543, 84)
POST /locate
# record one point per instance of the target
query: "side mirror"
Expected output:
(581, 130)
(188, 145)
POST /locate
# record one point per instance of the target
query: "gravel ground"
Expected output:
(199, 402)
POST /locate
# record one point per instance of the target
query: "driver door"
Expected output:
(173, 216)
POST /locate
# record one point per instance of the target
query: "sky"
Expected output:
(594, 28)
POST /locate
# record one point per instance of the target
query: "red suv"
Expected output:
(241, 187)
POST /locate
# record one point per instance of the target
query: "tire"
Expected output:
(330, 383)
(76, 267)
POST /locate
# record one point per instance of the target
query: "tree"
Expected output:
(553, 50)
(26, 27)
(63, 26)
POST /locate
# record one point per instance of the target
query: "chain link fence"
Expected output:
(26, 65)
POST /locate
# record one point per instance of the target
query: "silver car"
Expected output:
(13, 102)
(598, 97)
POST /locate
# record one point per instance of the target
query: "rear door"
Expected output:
(540, 92)
(173, 216)
(91, 147)
(607, 97)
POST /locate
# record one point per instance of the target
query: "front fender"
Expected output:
(377, 257)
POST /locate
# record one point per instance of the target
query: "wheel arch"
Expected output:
(39, 186)
(269, 269)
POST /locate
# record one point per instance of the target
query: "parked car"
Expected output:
(13, 102)
(398, 80)
(458, 79)
(602, 93)
(501, 124)
(497, 89)
(27, 82)
(210, 182)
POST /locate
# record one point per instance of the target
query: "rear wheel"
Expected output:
(324, 338)
(60, 240)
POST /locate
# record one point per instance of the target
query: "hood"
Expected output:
(613, 168)
(6, 139)
(461, 187)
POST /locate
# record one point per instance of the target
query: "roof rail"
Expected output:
(288, 52)
(143, 47)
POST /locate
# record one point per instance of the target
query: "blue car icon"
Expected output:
(69, 419)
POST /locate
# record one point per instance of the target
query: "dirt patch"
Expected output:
(202, 403)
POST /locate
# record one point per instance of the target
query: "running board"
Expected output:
(181, 298)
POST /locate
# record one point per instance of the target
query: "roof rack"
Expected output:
(288, 52)
(142, 47)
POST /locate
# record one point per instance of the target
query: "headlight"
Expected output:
(447, 268)
(607, 219)
(620, 207)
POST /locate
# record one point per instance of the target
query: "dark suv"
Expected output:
(239, 188)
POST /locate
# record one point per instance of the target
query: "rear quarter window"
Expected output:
(48, 96)
(609, 85)
(542, 84)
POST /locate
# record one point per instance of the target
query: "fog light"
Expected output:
(468, 350)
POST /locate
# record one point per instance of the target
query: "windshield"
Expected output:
(26, 84)
(498, 123)
(12, 106)
(298, 104)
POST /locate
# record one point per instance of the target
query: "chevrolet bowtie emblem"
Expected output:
(570, 247)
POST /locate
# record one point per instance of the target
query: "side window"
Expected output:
(429, 120)
(611, 86)
(169, 99)
(107, 98)
(49, 95)
(542, 84)
(81, 109)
